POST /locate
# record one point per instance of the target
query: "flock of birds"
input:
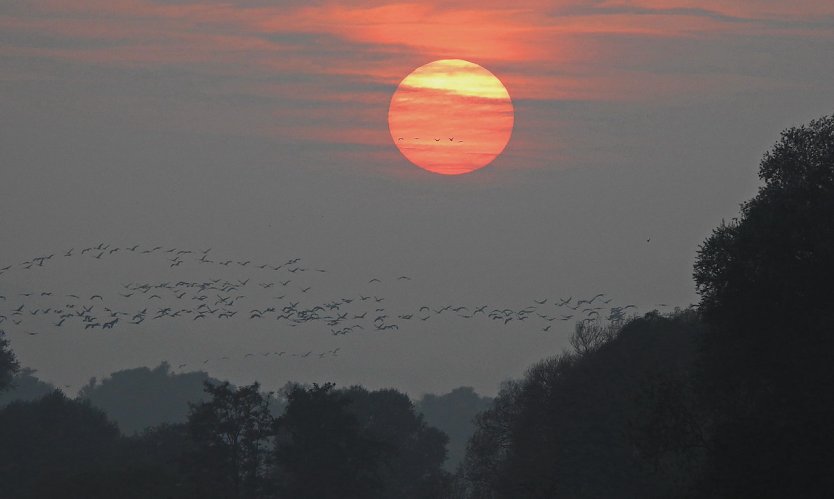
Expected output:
(280, 293)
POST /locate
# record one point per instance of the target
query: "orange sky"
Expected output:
(349, 56)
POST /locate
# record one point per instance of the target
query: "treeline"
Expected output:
(135, 434)
(350, 443)
(733, 398)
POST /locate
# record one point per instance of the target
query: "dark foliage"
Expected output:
(321, 450)
(765, 284)
(570, 428)
(230, 434)
(8, 362)
(54, 447)
(357, 443)
(414, 451)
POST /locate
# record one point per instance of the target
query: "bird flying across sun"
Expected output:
(462, 110)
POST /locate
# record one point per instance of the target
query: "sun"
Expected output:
(451, 117)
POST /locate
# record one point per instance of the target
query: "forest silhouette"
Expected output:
(731, 398)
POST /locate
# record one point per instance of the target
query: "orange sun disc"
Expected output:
(451, 117)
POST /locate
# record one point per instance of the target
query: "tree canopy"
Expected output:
(765, 285)
(8, 362)
(565, 430)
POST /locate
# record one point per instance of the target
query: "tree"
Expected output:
(568, 428)
(58, 438)
(320, 449)
(8, 362)
(489, 448)
(356, 443)
(231, 433)
(765, 286)
(413, 468)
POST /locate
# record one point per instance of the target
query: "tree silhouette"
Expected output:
(8, 362)
(568, 428)
(231, 435)
(765, 285)
(413, 467)
(320, 449)
(53, 446)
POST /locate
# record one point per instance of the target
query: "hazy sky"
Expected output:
(259, 129)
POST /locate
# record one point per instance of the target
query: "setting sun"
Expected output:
(451, 117)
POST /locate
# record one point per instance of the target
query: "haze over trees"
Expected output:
(24, 385)
(140, 398)
(729, 399)
(454, 414)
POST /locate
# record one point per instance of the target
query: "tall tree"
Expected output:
(321, 450)
(565, 429)
(765, 285)
(8, 362)
(51, 447)
(231, 433)
(413, 468)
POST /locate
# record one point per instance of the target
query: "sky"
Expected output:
(259, 129)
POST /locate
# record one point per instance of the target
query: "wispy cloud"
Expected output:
(313, 60)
